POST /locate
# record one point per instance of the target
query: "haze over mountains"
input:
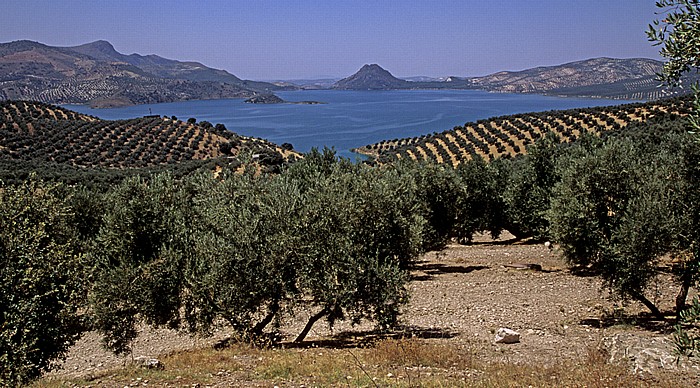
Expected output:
(96, 74)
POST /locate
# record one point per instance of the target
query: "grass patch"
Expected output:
(200, 366)
(390, 362)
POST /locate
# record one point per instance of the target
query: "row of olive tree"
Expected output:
(333, 237)
(326, 235)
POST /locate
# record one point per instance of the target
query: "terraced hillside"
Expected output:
(33, 131)
(507, 136)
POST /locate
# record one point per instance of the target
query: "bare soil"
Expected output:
(460, 296)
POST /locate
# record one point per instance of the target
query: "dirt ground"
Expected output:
(462, 295)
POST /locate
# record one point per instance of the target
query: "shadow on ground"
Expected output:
(431, 270)
(356, 339)
(642, 320)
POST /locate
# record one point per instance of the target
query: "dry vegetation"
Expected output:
(508, 136)
(571, 335)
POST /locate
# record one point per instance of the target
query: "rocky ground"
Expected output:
(462, 295)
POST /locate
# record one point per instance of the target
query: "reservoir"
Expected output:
(349, 119)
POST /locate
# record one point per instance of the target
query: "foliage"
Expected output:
(481, 205)
(438, 190)
(41, 280)
(616, 211)
(325, 234)
(138, 258)
(686, 344)
(526, 189)
(679, 35)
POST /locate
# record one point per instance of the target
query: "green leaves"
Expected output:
(621, 205)
(41, 273)
(679, 35)
(325, 234)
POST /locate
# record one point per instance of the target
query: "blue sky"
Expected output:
(292, 39)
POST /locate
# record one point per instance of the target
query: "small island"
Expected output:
(264, 99)
(273, 99)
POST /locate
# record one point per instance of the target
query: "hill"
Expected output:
(34, 132)
(371, 77)
(508, 136)
(629, 79)
(96, 74)
(633, 78)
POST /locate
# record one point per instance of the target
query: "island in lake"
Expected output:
(273, 99)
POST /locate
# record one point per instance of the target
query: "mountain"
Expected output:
(96, 74)
(371, 77)
(627, 79)
(633, 78)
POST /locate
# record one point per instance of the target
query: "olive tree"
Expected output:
(438, 190)
(325, 235)
(678, 34)
(480, 207)
(360, 228)
(41, 280)
(526, 184)
(139, 256)
(615, 212)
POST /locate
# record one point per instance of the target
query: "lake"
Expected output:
(350, 119)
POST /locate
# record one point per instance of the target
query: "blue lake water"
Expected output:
(351, 119)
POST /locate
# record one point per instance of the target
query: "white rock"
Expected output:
(507, 336)
(148, 363)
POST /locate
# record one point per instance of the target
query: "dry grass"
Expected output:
(391, 362)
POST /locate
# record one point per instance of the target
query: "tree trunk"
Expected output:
(686, 282)
(274, 308)
(654, 310)
(310, 323)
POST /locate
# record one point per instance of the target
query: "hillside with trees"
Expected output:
(58, 139)
(509, 136)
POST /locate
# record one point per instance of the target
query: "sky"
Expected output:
(308, 39)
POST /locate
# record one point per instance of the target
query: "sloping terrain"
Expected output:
(97, 74)
(32, 132)
(508, 136)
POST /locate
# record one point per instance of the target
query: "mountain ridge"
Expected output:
(603, 77)
(95, 73)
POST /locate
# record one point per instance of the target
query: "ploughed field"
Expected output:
(571, 334)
